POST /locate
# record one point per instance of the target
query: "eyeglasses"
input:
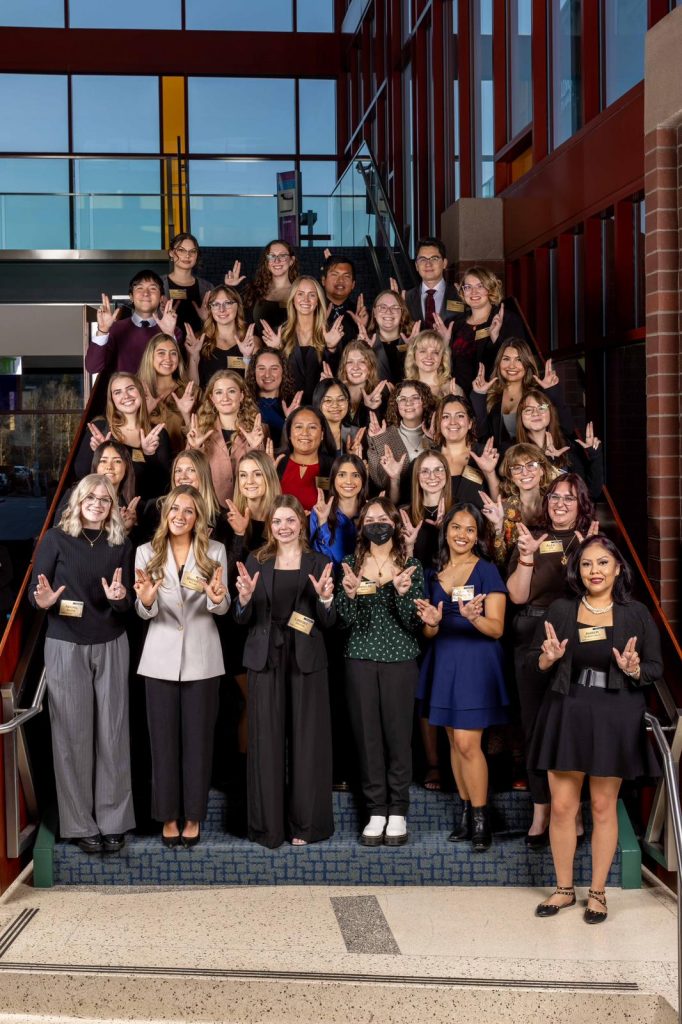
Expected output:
(438, 471)
(428, 261)
(468, 288)
(536, 408)
(221, 307)
(408, 399)
(521, 467)
(187, 252)
(335, 401)
(277, 257)
(92, 499)
(561, 499)
(381, 307)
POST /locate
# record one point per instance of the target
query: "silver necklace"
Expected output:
(93, 542)
(596, 611)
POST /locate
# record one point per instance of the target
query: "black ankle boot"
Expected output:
(481, 836)
(461, 834)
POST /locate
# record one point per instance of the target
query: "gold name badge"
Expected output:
(71, 609)
(322, 482)
(551, 547)
(462, 594)
(469, 473)
(177, 293)
(402, 348)
(481, 334)
(235, 363)
(367, 587)
(453, 306)
(138, 455)
(301, 622)
(591, 633)
(192, 581)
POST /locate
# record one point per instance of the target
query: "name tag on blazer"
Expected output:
(192, 581)
(453, 306)
(469, 473)
(551, 547)
(138, 455)
(301, 623)
(462, 594)
(235, 363)
(71, 609)
(591, 633)
(481, 334)
(366, 587)
(177, 293)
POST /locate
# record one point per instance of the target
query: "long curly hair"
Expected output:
(287, 389)
(362, 545)
(444, 372)
(429, 402)
(406, 322)
(529, 452)
(467, 408)
(147, 373)
(126, 488)
(207, 416)
(269, 549)
(71, 522)
(416, 510)
(205, 488)
(116, 419)
(156, 565)
(210, 328)
(355, 348)
(262, 279)
(553, 428)
(529, 365)
(586, 512)
(289, 331)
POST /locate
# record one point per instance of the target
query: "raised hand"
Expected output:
(245, 584)
(628, 661)
(293, 404)
(482, 386)
(552, 648)
(496, 324)
(239, 521)
(322, 507)
(430, 430)
(234, 277)
(440, 327)
(152, 402)
(376, 429)
(527, 543)
(106, 315)
(550, 378)
(492, 510)
(354, 444)
(454, 388)
(473, 609)
(97, 437)
(327, 371)
(590, 442)
(334, 335)
(193, 345)
(271, 339)
(361, 315)
(248, 345)
(129, 514)
(254, 437)
(324, 587)
(440, 514)
(145, 587)
(403, 581)
(488, 459)
(551, 451)
(416, 328)
(186, 403)
(202, 310)
(364, 336)
(326, 253)
(373, 399)
(215, 589)
(150, 442)
(392, 467)
(350, 582)
(115, 591)
(592, 531)
(430, 615)
(168, 320)
(393, 285)
(194, 438)
(410, 531)
(44, 595)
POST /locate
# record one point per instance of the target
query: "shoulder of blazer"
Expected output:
(214, 549)
(145, 551)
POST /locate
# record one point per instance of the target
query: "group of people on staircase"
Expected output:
(357, 514)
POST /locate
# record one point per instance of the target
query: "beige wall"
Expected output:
(49, 330)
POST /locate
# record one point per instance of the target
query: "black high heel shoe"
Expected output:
(190, 841)
(552, 909)
(539, 841)
(596, 916)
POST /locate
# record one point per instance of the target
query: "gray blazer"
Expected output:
(182, 640)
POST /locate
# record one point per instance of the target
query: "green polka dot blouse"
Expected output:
(383, 626)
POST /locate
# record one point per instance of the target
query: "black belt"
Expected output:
(590, 677)
(534, 610)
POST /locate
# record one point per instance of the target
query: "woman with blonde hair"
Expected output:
(191, 468)
(226, 343)
(82, 578)
(226, 426)
(169, 393)
(180, 585)
(428, 359)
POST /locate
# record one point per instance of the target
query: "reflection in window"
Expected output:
(119, 205)
(482, 37)
(318, 179)
(115, 114)
(520, 79)
(566, 83)
(235, 15)
(34, 114)
(241, 115)
(317, 107)
(34, 221)
(124, 14)
(315, 15)
(623, 34)
(32, 13)
(232, 202)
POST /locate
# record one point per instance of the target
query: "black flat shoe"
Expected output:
(90, 844)
(552, 909)
(114, 842)
(461, 834)
(189, 841)
(596, 916)
(538, 842)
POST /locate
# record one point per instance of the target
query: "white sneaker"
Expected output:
(396, 830)
(373, 832)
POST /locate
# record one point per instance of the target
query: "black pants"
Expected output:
(381, 705)
(531, 692)
(181, 717)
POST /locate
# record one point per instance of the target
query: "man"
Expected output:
(433, 296)
(338, 281)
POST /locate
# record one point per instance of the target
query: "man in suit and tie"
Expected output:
(433, 295)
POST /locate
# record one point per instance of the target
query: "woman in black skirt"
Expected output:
(599, 649)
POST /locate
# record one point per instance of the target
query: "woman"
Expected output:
(169, 394)
(455, 435)
(525, 476)
(333, 520)
(285, 596)
(305, 464)
(388, 333)
(226, 343)
(179, 582)
(187, 291)
(380, 586)
(332, 399)
(112, 460)
(82, 577)
(537, 422)
(226, 426)
(461, 683)
(595, 652)
(266, 296)
(537, 577)
(391, 449)
(428, 359)
(359, 371)
(270, 385)
(191, 468)
(127, 420)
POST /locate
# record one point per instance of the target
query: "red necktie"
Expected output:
(429, 308)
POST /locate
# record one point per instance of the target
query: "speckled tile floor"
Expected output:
(103, 939)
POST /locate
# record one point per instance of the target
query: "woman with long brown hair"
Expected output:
(225, 343)
(169, 393)
(472, 466)
(266, 296)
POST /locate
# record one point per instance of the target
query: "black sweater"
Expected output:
(73, 562)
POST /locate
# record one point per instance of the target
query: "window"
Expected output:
(115, 114)
(118, 206)
(623, 31)
(233, 202)
(34, 221)
(158, 14)
(32, 13)
(235, 15)
(317, 109)
(565, 69)
(241, 115)
(318, 179)
(520, 78)
(34, 114)
(315, 15)
(482, 40)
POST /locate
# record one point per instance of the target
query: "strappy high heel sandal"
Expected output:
(596, 916)
(551, 909)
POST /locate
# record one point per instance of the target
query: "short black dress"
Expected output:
(597, 731)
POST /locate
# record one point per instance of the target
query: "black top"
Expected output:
(152, 472)
(596, 655)
(187, 314)
(73, 562)
(274, 313)
(218, 360)
(391, 359)
(284, 587)
(548, 581)
(471, 344)
(305, 368)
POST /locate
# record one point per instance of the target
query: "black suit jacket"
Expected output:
(452, 303)
(310, 651)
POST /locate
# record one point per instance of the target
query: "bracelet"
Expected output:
(528, 565)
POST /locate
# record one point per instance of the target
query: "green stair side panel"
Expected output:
(631, 854)
(43, 851)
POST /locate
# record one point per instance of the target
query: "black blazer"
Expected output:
(489, 423)
(310, 651)
(452, 303)
(632, 619)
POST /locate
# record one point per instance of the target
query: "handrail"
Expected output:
(380, 224)
(23, 715)
(672, 787)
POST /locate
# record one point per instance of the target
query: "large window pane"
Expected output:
(32, 13)
(318, 179)
(233, 202)
(484, 165)
(115, 114)
(118, 206)
(124, 14)
(241, 115)
(624, 31)
(34, 114)
(520, 80)
(566, 84)
(235, 15)
(317, 106)
(30, 221)
(315, 15)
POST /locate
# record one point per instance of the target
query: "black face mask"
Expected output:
(378, 533)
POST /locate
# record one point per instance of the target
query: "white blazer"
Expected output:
(182, 640)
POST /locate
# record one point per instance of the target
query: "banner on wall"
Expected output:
(288, 206)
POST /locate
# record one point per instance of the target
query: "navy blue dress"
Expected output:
(461, 683)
